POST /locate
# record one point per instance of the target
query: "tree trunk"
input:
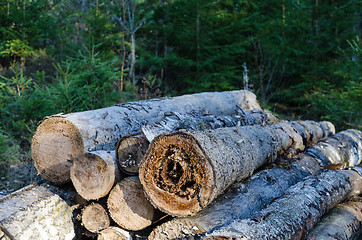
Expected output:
(61, 138)
(95, 218)
(115, 233)
(343, 222)
(93, 174)
(294, 214)
(129, 207)
(37, 212)
(132, 76)
(183, 172)
(242, 200)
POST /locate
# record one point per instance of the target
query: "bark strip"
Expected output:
(95, 218)
(244, 199)
(183, 172)
(294, 214)
(61, 138)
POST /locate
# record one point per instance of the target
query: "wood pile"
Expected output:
(200, 166)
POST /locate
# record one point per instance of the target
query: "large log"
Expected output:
(343, 222)
(38, 212)
(294, 214)
(93, 174)
(61, 138)
(244, 199)
(183, 172)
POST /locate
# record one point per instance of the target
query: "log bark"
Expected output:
(183, 172)
(95, 218)
(343, 222)
(129, 207)
(37, 212)
(115, 233)
(294, 214)
(93, 174)
(61, 138)
(244, 199)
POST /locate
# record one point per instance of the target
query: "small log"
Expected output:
(244, 199)
(93, 174)
(115, 233)
(183, 172)
(294, 214)
(343, 222)
(95, 218)
(61, 138)
(129, 207)
(38, 212)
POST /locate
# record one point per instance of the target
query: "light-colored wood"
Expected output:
(61, 138)
(93, 174)
(115, 233)
(95, 218)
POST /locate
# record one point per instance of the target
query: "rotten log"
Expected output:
(95, 218)
(93, 174)
(183, 172)
(129, 207)
(294, 214)
(244, 199)
(343, 222)
(38, 212)
(60, 138)
(115, 233)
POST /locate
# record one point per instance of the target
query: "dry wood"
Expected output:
(343, 222)
(129, 207)
(183, 172)
(37, 212)
(115, 233)
(93, 174)
(95, 218)
(244, 199)
(61, 138)
(294, 214)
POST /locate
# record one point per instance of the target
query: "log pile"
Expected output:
(201, 166)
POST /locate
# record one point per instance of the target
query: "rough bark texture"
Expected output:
(95, 218)
(294, 214)
(242, 200)
(61, 138)
(343, 222)
(37, 212)
(115, 233)
(183, 172)
(129, 207)
(130, 151)
(93, 174)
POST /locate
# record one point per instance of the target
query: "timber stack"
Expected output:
(200, 166)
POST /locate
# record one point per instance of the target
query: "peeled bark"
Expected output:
(183, 172)
(37, 212)
(115, 233)
(93, 174)
(343, 222)
(129, 207)
(294, 214)
(61, 138)
(95, 218)
(244, 199)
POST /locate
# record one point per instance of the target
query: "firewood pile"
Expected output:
(201, 166)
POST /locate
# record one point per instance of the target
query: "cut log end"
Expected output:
(176, 229)
(114, 233)
(56, 142)
(176, 174)
(95, 218)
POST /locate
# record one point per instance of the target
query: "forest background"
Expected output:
(301, 58)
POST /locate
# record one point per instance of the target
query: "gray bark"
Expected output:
(183, 172)
(61, 138)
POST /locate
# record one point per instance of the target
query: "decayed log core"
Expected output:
(115, 233)
(343, 222)
(61, 138)
(294, 214)
(95, 218)
(93, 174)
(244, 199)
(183, 172)
(129, 207)
(37, 212)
